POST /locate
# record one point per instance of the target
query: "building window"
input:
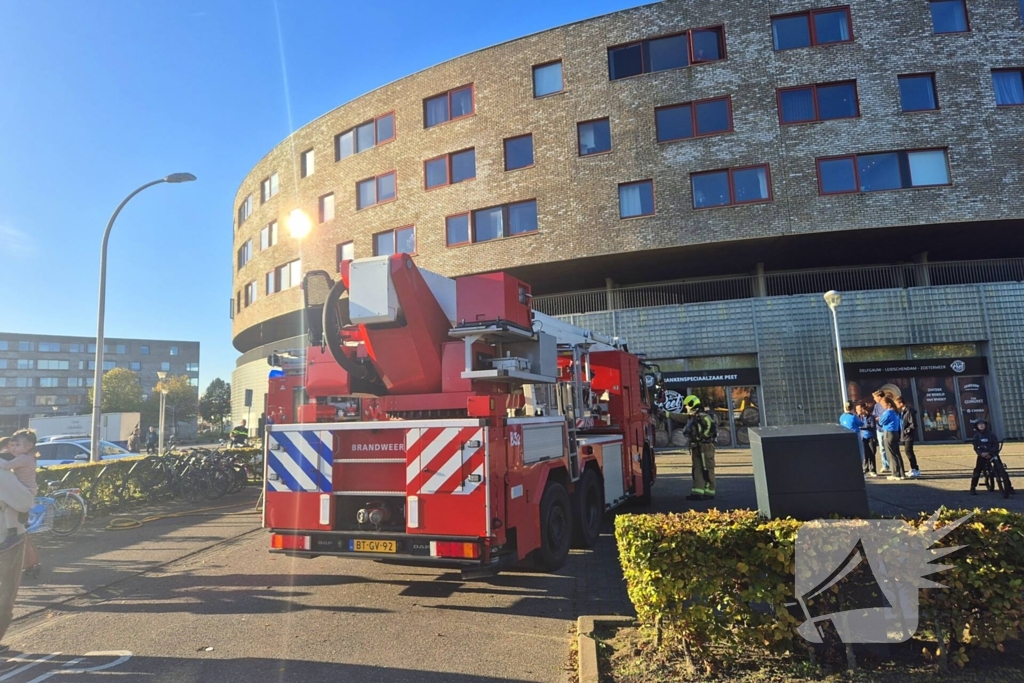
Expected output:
(3, 346)
(731, 186)
(107, 365)
(884, 171)
(694, 119)
(121, 349)
(917, 93)
(667, 52)
(192, 367)
(135, 365)
(449, 169)
(53, 365)
(245, 210)
(238, 301)
(26, 364)
(268, 236)
(49, 347)
(492, 223)
(48, 382)
(375, 190)
(268, 188)
(457, 229)
(547, 79)
(3, 363)
(397, 241)
(454, 104)
(949, 16)
(594, 137)
(306, 164)
(76, 348)
(75, 382)
(327, 208)
(193, 381)
(284, 277)
(346, 251)
(821, 102)
(46, 400)
(144, 350)
(26, 346)
(89, 381)
(245, 253)
(23, 382)
(817, 27)
(249, 294)
(519, 152)
(636, 199)
(365, 136)
(165, 367)
(1009, 87)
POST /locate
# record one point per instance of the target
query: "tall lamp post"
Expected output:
(97, 399)
(163, 408)
(833, 299)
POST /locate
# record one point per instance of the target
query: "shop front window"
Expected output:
(866, 354)
(938, 410)
(968, 350)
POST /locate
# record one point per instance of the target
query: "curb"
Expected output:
(587, 653)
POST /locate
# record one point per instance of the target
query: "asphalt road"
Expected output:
(227, 610)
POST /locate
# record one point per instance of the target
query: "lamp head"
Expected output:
(299, 224)
(833, 299)
(161, 375)
(179, 178)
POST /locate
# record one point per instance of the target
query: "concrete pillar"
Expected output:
(922, 275)
(760, 283)
(609, 293)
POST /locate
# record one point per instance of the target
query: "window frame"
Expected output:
(377, 142)
(376, 190)
(394, 240)
(813, 32)
(693, 118)
(533, 78)
(856, 171)
(448, 94)
(306, 170)
(469, 229)
(320, 213)
(246, 207)
(935, 92)
(271, 232)
(267, 185)
(504, 151)
(579, 146)
(817, 109)
(1016, 70)
(339, 250)
(447, 169)
(654, 199)
(967, 19)
(247, 248)
(691, 62)
(250, 293)
(732, 186)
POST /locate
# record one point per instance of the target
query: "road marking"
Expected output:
(31, 663)
(114, 658)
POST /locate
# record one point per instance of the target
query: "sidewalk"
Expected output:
(96, 557)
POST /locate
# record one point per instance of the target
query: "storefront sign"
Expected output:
(711, 378)
(973, 400)
(937, 412)
(934, 367)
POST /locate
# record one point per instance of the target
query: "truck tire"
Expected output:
(647, 468)
(588, 510)
(555, 527)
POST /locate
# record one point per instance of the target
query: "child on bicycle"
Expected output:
(21, 461)
(985, 446)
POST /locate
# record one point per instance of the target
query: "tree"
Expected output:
(122, 392)
(215, 405)
(180, 394)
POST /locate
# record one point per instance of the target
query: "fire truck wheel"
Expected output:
(555, 527)
(646, 467)
(588, 510)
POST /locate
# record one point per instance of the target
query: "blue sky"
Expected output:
(101, 96)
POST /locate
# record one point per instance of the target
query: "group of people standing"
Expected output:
(889, 429)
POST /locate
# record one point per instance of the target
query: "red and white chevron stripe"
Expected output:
(436, 461)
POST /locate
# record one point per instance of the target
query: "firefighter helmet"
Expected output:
(691, 403)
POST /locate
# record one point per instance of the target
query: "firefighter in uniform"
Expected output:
(700, 430)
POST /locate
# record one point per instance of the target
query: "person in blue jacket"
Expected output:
(849, 418)
(892, 426)
(868, 439)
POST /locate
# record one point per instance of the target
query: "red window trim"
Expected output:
(447, 170)
(689, 49)
(469, 225)
(338, 250)
(856, 170)
(448, 93)
(266, 183)
(394, 128)
(814, 94)
(967, 19)
(813, 32)
(504, 151)
(320, 207)
(693, 117)
(533, 72)
(732, 186)
(377, 201)
(394, 238)
(504, 222)
(302, 162)
(376, 142)
(1017, 70)
(579, 148)
(654, 199)
(935, 91)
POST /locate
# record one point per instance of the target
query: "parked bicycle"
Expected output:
(995, 474)
(61, 512)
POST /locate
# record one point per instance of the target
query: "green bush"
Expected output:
(721, 579)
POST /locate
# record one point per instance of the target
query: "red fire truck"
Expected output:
(489, 433)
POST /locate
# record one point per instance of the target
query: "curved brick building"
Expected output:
(692, 176)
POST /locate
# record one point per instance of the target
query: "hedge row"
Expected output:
(113, 483)
(724, 578)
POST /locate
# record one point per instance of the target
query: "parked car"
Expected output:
(70, 451)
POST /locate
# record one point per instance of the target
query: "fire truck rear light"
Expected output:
(325, 509)
(289, 542)
(412, 512)
(454, 549)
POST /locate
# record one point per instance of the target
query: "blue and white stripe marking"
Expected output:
(300, 461)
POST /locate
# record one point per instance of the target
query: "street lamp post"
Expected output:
(98, 376)
(163, 408)
(833, 299)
